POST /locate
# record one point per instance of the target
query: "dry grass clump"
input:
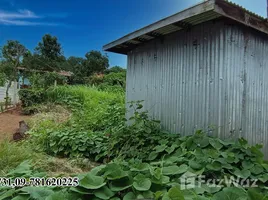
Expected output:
(50, 112)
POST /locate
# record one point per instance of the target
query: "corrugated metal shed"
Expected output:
(203, 68)
(212, 78)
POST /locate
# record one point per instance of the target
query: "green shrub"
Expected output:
(30, 98)
(112, 79)
(115, 79)
(46, 79)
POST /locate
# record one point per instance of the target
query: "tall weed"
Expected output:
(12, 154)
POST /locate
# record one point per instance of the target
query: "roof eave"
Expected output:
(241, 15)
(219, 8)
(195, 10)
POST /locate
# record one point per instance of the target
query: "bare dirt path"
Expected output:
(9, 123)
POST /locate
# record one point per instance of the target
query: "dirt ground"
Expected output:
(9, 123)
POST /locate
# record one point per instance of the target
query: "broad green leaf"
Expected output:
(265, 166)
(116, 174)
(92, 182)
(215, 143)
(202, 141)
(215, 166)
(153, 155)
(120, 185)
(173, 159)
(40, 193)
(7, 194)
(141, 167)
(81, 190)
(24, 169)
(263, 178)
(257, 169)
(195, 165)
(254, 194)
(97, 169)
(183, 169)
(63, 195)
(196, 172)
(256, 150)
(162, 180)
(247, 164)
(242, 173)
(104, 193)
(129, 196)
(174, 194)
(160, 148)
(159, 194)
(227, 142)
(211, 189)
(171, 149)
(173, 170)
(231, 194)
(201, 198)
(148, 195)
(142, 183)
(22, 197)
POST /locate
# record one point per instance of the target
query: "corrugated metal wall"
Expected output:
(13, 93)
(212, 77)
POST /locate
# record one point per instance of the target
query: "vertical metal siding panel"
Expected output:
(213, 75)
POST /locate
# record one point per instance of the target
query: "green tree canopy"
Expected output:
(115, 69)
(95, 62)
(49, 48)
(48, 55)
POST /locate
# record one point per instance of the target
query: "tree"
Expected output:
(12, 54)
(82, 68)
(115, 69)
(48, 55)
(95, 63)
(75, 65)
(49, 48)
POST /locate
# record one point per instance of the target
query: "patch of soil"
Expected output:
(9, 123)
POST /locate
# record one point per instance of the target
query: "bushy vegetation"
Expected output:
(111, 80)
(138, 160)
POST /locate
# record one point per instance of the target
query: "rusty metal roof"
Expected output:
(200, 13)
(62, 73)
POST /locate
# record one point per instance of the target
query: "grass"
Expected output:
(12, 154)
(89, 105)
(80, 105)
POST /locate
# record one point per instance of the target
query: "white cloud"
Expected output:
(20, 14)
(22, 18)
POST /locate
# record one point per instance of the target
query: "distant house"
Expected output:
(23, 82)
(203, 68)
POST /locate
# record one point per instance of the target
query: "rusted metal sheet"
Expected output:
(211, 77)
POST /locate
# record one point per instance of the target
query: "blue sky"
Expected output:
(84, 25)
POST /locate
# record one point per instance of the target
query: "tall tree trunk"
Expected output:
(7, 90)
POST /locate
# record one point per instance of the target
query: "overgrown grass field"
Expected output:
(84, 129)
